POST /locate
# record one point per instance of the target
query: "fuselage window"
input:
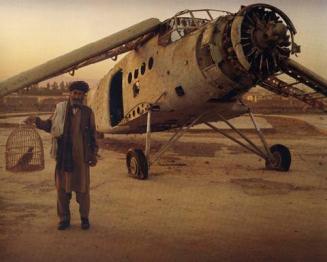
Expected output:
(136, 73)
(130, 78)
(180, 91)
(150, 63)
(143, 69)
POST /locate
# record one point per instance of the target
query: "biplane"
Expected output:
(189, 69)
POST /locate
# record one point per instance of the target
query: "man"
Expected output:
(74, 147)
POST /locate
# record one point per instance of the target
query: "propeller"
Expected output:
(265, 40)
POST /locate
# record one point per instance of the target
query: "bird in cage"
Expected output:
(24, 160)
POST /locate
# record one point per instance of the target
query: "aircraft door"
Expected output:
(116, 98)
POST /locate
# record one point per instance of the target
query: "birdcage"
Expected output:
(24, 150)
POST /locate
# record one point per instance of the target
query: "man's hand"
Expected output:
(30, 120)
(93, 162)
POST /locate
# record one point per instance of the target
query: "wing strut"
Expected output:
(315, 93)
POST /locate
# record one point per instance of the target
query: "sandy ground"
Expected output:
(207, 199)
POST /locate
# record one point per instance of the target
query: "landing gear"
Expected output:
(137, 164)
(281, 158)
(277, 157)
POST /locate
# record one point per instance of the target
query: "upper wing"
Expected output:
(107, 47)
(303, 76)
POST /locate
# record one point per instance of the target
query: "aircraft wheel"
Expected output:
(137, 164)
(282, 158)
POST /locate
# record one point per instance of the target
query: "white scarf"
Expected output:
(57, 128)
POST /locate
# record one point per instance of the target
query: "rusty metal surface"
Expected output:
(177, 64)
(289, 90)
(317, 98)
(262, 36)
(185, 22)
(202, 60)
(305, 76)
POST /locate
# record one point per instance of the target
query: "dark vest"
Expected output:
(64, 152)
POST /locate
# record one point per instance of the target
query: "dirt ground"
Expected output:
(207, 199)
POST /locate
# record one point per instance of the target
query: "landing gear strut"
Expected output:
(277, 157)
(138, 163)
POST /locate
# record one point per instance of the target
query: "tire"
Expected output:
(137, 164)
(282, 158)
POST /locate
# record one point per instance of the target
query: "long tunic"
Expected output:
(79, 179)
(80, 132)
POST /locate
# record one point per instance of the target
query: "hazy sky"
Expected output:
(34, 31)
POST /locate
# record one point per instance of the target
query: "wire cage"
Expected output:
(24, 150)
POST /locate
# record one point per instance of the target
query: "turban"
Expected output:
(79, 85)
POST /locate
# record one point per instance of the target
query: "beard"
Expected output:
(76, 102)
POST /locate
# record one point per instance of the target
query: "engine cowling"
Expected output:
(262, 37)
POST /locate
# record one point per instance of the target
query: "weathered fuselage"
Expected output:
(182, 77)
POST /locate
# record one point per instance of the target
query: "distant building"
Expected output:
(264, 101)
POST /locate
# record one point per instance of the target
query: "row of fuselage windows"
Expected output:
(142, 70)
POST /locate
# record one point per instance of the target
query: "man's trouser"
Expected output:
(63, 199)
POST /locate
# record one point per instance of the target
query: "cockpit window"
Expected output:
(184, 23)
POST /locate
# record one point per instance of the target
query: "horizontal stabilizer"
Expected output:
(110, 46)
